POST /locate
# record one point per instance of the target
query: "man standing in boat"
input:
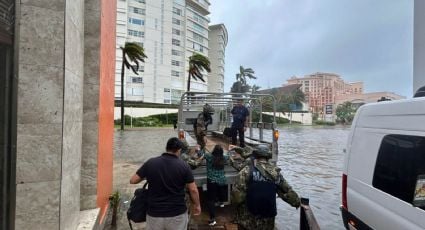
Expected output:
(255, 192)
(240, 122)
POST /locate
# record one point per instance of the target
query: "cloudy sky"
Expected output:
(362, 40)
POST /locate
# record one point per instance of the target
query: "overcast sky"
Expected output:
(361, 40)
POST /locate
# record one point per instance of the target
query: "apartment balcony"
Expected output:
(201, 6)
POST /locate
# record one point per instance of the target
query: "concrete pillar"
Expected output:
(49, 120)
(99, 79)
(419, 46)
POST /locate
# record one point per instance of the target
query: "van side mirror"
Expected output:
(420, 92)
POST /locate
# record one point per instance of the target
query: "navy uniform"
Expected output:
(255, 192)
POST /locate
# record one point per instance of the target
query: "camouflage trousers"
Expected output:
(200, 134)
(246, 221)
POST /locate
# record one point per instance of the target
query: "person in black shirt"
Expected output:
(167, 177)
(240, 121)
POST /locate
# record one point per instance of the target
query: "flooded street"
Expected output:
(311, 159)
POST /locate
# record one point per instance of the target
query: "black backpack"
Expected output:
(261, 196)
(138, 206)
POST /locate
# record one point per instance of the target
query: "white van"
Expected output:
(383, 183)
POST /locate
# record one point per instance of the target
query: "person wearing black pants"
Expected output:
(216, 181)
(240, 122)
(215, 192)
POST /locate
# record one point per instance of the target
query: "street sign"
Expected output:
(328, 109)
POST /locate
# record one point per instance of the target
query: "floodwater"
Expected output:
(311, 159)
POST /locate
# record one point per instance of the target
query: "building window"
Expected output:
(136, 33)
(176, 52)
(140, 69)
(136, 10)
(176, 31)
(177, 11)
(166, 90)
(176, 21)
(198, 37)
(174, 62)
(137, 80)
(140, 1)
(136, 21)
(401, 159)
(176, 42)
(175, 73)
(135, 91)
(197, 47)
(198, 28)
(199, 19)
(167, 101)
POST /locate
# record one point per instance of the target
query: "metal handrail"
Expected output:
(307, 219)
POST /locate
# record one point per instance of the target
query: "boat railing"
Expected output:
(307, 219)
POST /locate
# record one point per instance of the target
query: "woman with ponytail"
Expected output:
(216, 181)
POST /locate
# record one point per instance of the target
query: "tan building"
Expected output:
(322, 88)
(360, 99)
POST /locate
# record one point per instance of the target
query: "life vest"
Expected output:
(260, 194)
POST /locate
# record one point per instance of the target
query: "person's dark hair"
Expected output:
(173, 145)
(218, 158)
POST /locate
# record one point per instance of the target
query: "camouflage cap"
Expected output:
(208, 109)
(185, 147)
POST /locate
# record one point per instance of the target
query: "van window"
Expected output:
(401, 159)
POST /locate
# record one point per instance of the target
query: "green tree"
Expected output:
(244, 74)
(296, 97)
(197, 64)
(238, 87)
(345, 112)
(132, 55)
(241, 84)
(255, 88)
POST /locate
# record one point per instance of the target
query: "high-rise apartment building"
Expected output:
(217, 44)
(321, 89)
(170, 32)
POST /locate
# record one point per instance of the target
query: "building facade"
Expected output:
(170, 32)
(321, 89)
(57, 79)
(217, 43)
(360, 99)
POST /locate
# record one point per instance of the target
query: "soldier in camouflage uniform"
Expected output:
(202, 122)
(245, 154)
(268, 172)
(186, 155)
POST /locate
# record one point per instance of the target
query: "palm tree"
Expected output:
(132, 53)
(238, 87)
(245, 73)
(197, 64)
(297, 97)
(255, 88)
